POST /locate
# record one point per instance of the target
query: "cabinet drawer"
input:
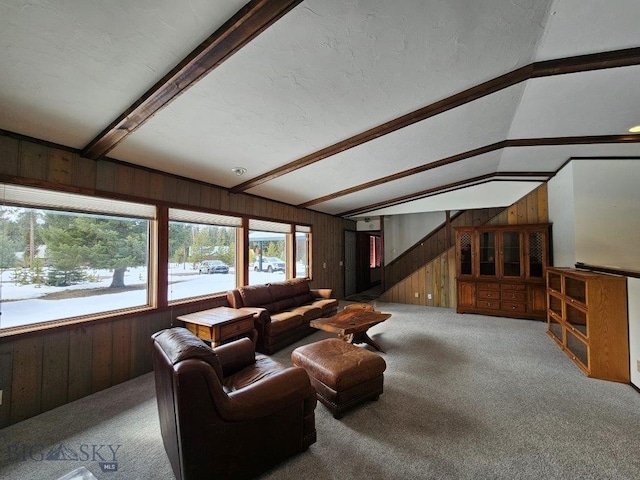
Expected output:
(236, 328)
(489, 304)
(514, 296)
(510, 287)
(488, 286)
(493, 294)
(514, 307)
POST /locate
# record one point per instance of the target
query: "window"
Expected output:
(69, 258)
(267, 251)
(303, 251)
(202, 254)
(65, 256)
(375, 251)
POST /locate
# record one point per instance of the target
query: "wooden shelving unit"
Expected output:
(500, 270)
(587, 318)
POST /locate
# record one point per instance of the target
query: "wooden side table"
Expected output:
(220, 325)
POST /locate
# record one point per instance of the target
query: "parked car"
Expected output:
(269, 264)
(213, 266)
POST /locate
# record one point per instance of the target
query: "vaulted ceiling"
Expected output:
(347, 107)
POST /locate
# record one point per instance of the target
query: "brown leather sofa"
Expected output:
(228, 412)
(283, 310)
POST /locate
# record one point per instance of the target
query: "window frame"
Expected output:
(157, 215)
(197, 217)
(61, 202)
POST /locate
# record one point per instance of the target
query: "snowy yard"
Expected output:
(27, 304)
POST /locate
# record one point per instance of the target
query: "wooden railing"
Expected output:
(612, 270)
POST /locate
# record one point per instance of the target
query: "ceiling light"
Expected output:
(635, 129)
(239, 171)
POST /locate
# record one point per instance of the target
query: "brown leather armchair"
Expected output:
(228, 412)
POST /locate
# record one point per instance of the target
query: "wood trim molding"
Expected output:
(238, 31)
(562, 66)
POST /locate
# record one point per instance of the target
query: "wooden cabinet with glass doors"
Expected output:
(587, 317)
(500, 270)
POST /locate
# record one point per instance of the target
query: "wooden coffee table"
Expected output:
(352, 323)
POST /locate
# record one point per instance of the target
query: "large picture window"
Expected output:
(66, 256)
(202, 254)
(267, 251)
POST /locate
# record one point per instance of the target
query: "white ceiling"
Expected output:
(326, 71)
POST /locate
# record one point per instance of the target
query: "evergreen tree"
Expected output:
(75, 242)
(179, 241)
(9, 244)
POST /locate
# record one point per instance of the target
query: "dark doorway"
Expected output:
(368, 260)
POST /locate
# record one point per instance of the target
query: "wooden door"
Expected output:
(537, 303)
(487, 252)
(511, 254)
(466, 294)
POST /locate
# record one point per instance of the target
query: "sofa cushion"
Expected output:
(303, 298)
(255, 296)
(264, 367)
(326, 304)
(308, 312)
(282, 305)
(300, 286)
(283, 321)
(281, 290)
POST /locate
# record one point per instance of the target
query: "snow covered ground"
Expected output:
(24, 304)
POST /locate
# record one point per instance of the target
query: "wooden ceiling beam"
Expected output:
(406, 173)
(585, 63)
(581, 63)
(522, 142)
(450, 187)
(238, 31)
(474, 93)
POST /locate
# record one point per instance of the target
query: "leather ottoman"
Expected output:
(343, 375)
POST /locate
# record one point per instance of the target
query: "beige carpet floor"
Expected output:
(466, 397)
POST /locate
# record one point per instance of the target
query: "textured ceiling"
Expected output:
(312, 106)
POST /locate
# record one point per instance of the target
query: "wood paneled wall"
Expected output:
(532, 208)
(435, 278)
(433, 245)
(438, 276)
(48, 368)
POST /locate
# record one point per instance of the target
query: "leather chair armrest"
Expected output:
(322, 292)
(235, 356)
(268, 395)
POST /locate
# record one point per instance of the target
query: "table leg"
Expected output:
(348, 337)
(362, 337)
